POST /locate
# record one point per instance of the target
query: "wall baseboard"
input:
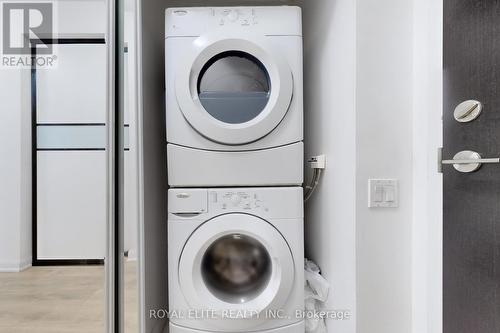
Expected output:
(15, 267)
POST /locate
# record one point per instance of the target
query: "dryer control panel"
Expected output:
(242, 16)
(265, 20)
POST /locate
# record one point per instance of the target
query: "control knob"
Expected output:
(233, 15)
(235, 199)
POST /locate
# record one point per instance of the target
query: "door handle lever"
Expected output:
(471, 161)
(466, 161)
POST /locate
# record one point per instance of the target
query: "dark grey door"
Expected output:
(472, 200)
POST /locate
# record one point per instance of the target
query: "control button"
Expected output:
(180, 12)
(245, 22)
(233, 16)
(258, 203)
(235, 199)
(221, 22)
(224, 206)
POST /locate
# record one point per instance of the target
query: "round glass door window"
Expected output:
(236, 268)
(234, 87)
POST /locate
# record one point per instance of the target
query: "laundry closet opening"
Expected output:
(249, 82)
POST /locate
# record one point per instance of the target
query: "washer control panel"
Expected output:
(270, 202)
(236, 200)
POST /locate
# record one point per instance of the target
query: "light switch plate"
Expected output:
(383, 193)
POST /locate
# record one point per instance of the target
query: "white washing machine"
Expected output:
(236, 260)
(234, 100)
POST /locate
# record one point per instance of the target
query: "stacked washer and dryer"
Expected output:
(234, 114)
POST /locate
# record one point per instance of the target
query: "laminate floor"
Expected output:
(56, 299)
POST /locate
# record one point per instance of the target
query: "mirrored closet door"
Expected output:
(54, 253)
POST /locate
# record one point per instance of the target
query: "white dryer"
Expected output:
(234, 100)
(236, 260)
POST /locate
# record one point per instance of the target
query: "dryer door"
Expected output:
(234, 90)
(239, 264)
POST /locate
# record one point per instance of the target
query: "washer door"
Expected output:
(234, 90)
(236, 263)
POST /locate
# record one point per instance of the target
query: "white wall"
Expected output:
(72, 17)
(384, 150)
(330, 114)
(11, 173)
(427, 136)
(373, 105)
(25, 224)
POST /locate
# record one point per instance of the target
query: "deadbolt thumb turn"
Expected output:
(468, 111)
(466, 161)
